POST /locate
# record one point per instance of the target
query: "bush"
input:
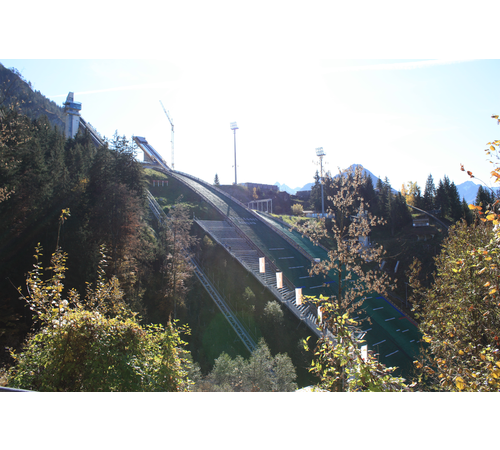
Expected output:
(97, 347)
(297, 210)
(262, 372)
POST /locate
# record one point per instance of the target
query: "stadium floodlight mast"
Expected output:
(234, 127)
(320, 153)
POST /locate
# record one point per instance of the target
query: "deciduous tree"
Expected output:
(412, 193)
(354, 268)
(176, 267)
(460, 313)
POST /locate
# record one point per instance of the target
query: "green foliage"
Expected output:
(448, 200)
(315, 198)
(429, 194)
(297, 210)
(176, 268)
(484, 197)
(460, 313)
(96, 344)
(273, 313)
(338, 360)
(41, 174)
(260, 373)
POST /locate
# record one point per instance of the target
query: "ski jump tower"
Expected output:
(72, 110)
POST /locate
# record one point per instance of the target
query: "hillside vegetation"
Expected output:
(15, 90)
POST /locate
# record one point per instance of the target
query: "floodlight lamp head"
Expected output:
(320, 151)
(234, 126)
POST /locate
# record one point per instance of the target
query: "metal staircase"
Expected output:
(243, 250)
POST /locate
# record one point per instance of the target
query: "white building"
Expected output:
(72, 110)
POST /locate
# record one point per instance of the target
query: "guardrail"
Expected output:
(9, 389)
(252, 212)
(288, 285)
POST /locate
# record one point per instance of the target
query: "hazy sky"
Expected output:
(290, 85)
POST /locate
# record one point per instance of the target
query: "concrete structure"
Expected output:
(265, 205)
(75, 122)
(151, 156)
(72, 111)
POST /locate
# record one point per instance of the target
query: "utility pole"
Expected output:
(234, 127)
(172, 134)
(320, 152)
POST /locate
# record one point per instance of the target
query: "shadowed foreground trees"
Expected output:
(94, 344)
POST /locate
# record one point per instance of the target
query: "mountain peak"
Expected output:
(308, 186)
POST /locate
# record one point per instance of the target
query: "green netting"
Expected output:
(390, 334)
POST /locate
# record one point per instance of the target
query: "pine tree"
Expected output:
(429, 194)
(367, 191)
(484, 197)
(315, 198)
(262, 372)
(466, 212)
(455, 203)
(441, 199)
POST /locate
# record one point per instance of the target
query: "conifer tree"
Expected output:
(429, 194)
(441, 199)
(315, 198)
(484, 197)
(455, 203)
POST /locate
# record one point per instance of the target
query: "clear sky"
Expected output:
(400, 118)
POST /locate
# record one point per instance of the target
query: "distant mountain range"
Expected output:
(285, 188)
(308, 186)
(466, 190)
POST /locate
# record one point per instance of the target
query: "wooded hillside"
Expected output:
(102, 188)
(15, 90)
